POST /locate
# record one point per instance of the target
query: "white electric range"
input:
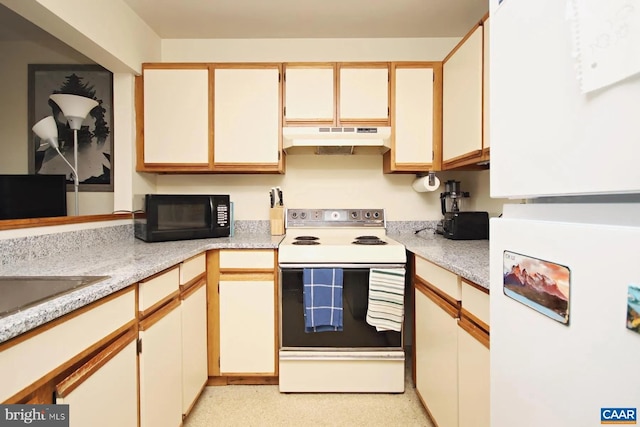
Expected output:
(357, 357)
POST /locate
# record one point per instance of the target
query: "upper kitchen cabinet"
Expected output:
(173, 120)
(416, 117)
(363, 93)
(209, 118)
(309, 93)
(462, 103)
(247, 123)
(486, 141)
(336, 94)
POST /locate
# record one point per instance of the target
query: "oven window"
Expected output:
(356, 333)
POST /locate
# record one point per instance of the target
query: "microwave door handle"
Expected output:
(212, 225)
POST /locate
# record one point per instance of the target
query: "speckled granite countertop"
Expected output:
(467, 258)
(126, 262)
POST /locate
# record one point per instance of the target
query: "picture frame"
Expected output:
(95, 138)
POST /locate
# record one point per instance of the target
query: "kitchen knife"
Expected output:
(280, 200)
(272, 197)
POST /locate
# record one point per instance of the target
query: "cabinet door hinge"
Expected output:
(279, 75)
(433, 155)
(139, 346)
(218, 288)
(218, 362)
(284, 111)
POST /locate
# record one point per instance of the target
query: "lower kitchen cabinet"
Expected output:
(161, 367)
(194, 344)
(473, 376)
(104, 391)
(242, 320)
(436, 352)
(247, 327)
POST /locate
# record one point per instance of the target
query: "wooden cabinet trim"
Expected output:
(194, 287)
(473, 319)
(476, 332)
(464, 160)
(159, 314)
(186, 286)
(464, 39)
(444, 303)
(434, 289)
(81, 375)
(12, 224)
(174, 66)
(475, 285)
(160, 273)
(246, 65)
(65, 367)
(213, 312)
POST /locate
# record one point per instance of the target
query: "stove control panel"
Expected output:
(335, 218)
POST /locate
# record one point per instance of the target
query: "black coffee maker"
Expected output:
(457, 224)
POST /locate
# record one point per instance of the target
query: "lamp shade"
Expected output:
(74, 107)
(47, 130)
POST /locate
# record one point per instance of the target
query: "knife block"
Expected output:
(276, 217)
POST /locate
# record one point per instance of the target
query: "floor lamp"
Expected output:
(75, 108)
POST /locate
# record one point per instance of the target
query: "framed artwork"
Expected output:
(95, 138)
(633, 308)
(541, 285)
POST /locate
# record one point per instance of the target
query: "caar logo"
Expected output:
(618, 416)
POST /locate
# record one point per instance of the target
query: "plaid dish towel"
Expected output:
(322, 299)
(385, 308)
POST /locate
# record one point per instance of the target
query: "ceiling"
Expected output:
(204, 19)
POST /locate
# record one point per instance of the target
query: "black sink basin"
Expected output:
(21, 292)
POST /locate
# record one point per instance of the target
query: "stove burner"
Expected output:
(305, 242)
(306, 238)
(369, 240)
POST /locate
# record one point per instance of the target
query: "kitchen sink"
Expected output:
(21, 292)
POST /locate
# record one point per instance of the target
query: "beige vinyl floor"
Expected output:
(264, 405)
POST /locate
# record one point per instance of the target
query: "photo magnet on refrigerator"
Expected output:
(538, 284)
(633, 308)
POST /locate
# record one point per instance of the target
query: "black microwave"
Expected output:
(165, 217)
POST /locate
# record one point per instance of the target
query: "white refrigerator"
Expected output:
(565, 265)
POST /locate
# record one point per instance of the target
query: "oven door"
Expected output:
(358, 359)
(357, 334)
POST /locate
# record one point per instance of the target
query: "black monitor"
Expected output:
(32, 196)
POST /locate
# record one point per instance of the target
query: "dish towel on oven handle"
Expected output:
(322, 294)
(385, 308)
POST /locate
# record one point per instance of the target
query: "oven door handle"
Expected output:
(284, 266)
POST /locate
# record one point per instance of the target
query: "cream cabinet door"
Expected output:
(486, 141)
(247, 327)
(176, 116)
(416, 91)
(462, 102)
(309, 92)
(246, 116)
(436, 342)
(363, 93)
(107, 396)
(473, 373)
(194, 346)
(161, 368)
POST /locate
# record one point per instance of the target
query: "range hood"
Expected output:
(336, 140)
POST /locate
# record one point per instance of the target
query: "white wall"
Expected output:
(291, 50)
(15, 135)
(107, 31)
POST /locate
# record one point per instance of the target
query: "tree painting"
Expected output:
(95, 169)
